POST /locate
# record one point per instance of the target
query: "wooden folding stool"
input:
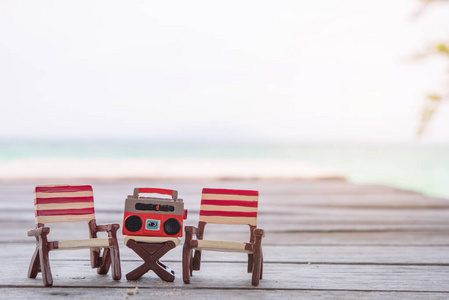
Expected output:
(151, 249)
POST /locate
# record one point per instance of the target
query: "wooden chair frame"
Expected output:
(109, 258)
(192, 263)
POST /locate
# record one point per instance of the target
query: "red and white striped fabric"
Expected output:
(63, 203)
(223, 206)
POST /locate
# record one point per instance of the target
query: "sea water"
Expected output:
(420, 168)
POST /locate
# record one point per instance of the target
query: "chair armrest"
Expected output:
(191, 230)
(39, 231)
(259, 232)
(108, 227)
(111, 229)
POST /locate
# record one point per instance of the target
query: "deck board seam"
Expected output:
(287, 262)
(224, 288)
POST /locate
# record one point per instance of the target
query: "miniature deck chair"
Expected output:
(71, 203)
(223, 206)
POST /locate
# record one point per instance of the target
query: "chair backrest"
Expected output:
(63, 203)
(223, 206)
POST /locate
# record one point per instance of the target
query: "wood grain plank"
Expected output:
(162, 291)
(276, 276)
(292, 254)
(440, 238)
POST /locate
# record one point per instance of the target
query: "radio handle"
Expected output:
(172, 193)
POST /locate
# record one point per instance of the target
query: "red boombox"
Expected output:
(147, 216)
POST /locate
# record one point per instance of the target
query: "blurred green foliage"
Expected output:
(432, 101)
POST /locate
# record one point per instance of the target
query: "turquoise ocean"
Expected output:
(419, 168)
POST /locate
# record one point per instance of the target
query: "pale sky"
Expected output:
(232, 70)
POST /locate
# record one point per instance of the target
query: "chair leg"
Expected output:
(196, 263)
(45, 262)
(191, 265)
(257, 262)
(115, 263)
(250, 263)
(256, 269)
(34, 264)
(103, 268)
(258, 256)
(95, 260)
(186, 263)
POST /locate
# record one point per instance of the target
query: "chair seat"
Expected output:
(151, 239)
(222, 246)
(87, 243)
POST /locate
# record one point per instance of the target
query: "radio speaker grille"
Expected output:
(172, 226)
(133, 223)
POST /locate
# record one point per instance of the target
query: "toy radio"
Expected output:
(147, 216)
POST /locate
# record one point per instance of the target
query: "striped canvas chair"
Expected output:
(231, 207)
(71, 203)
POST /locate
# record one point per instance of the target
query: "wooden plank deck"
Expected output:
(323, 239)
